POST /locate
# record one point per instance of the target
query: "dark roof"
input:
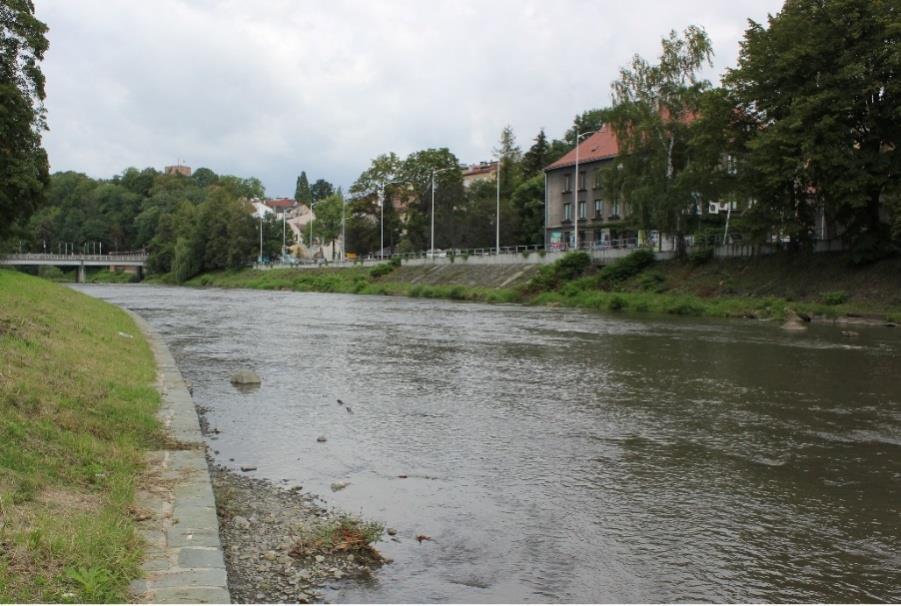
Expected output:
(602, 145)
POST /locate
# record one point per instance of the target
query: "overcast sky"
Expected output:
(272, 87)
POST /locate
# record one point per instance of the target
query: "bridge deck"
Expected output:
(137, 260)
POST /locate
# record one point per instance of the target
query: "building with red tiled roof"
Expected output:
(281, 205)
(568, 194)
(483, 171)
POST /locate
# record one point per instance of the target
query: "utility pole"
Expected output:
(261, 239)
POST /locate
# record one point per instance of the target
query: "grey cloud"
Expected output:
(271, 88)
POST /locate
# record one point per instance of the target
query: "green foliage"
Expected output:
(586, 122)
(701, 255)
(622, 269)
(321, 189)
(837, 297)
(570, 266)
(23, 161)
(819, 84)
(538, 156)
(94, 584)
(653, 106)
(302, 192)
(382, 269)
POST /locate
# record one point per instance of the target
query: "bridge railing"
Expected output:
(110, 259)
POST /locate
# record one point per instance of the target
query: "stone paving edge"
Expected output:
(183, 561)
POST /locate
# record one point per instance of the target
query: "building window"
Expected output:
(615, 213)
(583, 209)
(599, 209)
(598, 179)
(582, 181)
(567, 183)
(568, 211)
(731, 165)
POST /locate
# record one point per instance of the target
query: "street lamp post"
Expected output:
(497, 241)
(434, 172)
(312, 204)
(576, 190)
(261, 239)
(382, 217)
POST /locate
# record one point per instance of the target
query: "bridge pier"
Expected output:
(82, 274)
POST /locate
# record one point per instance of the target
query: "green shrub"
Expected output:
(623, 269)
(835, 298)
(570, 266)
(51, 272)
(700, 256)
(652, 281)
(616, 303)
(383, 269)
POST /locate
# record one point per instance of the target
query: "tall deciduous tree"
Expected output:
(321, 190)
(24, 172)
(653, 105)
(821, 81)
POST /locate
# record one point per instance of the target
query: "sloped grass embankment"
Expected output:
(77, 413)
(769, 287)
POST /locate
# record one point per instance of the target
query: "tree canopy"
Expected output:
(24, 170)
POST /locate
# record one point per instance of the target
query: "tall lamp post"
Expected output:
(434, 172)
(312, 204)
(382, 217)
(497, 241)
(576, 189)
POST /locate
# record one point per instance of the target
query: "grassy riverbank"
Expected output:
(823, 285)
(77, 404)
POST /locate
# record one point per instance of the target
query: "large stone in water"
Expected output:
(245, 377)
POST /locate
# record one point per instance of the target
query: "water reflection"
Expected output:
(556, 455)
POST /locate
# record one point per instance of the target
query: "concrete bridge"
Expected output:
(133, 261)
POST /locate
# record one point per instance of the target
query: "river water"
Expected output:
(561, 456)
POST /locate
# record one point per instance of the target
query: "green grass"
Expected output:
(821, 285)
(77, 406)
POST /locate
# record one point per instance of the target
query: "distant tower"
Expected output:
(178, 169)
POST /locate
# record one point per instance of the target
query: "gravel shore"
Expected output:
(269, 536)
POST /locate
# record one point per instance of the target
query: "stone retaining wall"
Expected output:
(183, 558)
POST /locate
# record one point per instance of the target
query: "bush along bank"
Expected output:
(821, 286)
(812, 286)
(77, 414)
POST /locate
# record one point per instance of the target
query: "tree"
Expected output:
(204, 177)
(534, 160)
(321, 190)
(527, 203)
(510, 158)
(302, 192)
(24, 170)
(821, 83)
(328, 218)
(653, 106)
(417, 172)
(586, 122)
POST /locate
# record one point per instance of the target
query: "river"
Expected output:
(557, 455)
